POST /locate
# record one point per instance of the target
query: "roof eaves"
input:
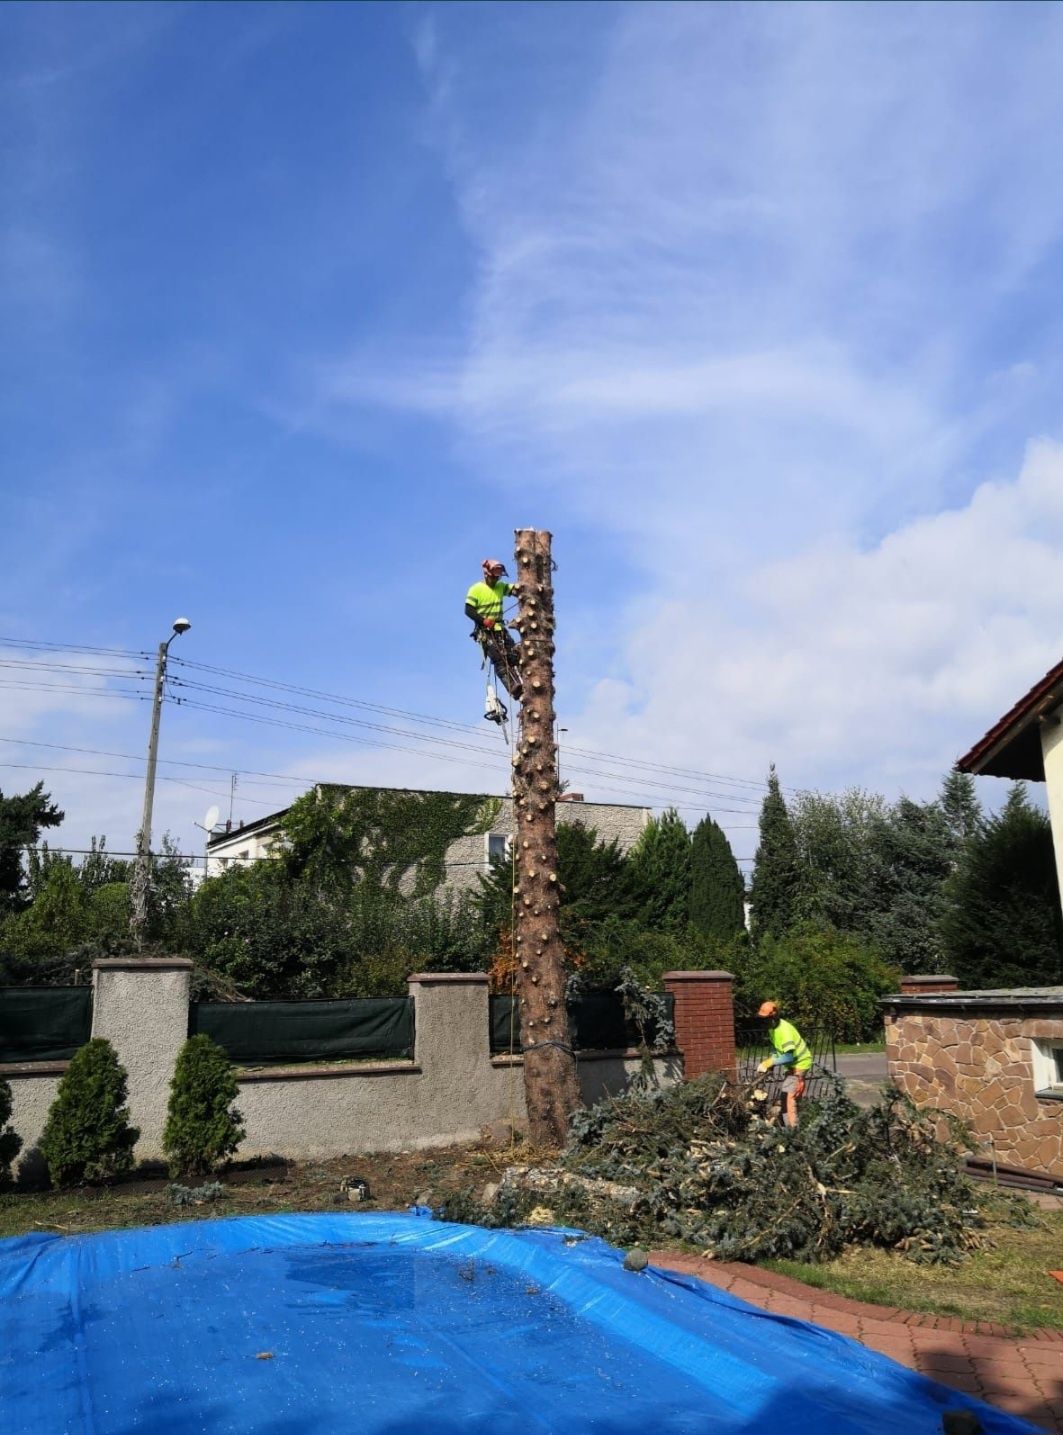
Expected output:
(1043, 696)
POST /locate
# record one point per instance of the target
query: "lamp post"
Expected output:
(138, 918)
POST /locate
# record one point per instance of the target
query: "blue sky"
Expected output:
(306, 307)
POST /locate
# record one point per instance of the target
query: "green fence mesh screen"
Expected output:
(272, 1033)
(598, 1023)
(44, 1023)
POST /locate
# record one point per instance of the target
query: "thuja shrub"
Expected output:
(87, 1136)
(203, 1128)
(10, 1143)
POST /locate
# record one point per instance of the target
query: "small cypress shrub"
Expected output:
(87, 1136)
(203, 1128)
(10, 1144)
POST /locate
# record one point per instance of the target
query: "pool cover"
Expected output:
(388, 1324)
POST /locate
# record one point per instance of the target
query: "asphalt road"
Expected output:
(870, 1066)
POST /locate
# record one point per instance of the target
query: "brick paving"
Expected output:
(1020, 1374)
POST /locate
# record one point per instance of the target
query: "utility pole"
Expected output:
(138, 918)
(551, 1081)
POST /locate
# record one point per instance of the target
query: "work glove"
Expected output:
(766, 1064)
(489, 622)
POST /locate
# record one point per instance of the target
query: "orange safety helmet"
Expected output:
(494, 565)
(768, 1009)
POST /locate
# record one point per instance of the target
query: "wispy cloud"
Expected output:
(766, 298)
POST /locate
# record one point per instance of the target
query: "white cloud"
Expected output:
(768, 297)
(877, 666)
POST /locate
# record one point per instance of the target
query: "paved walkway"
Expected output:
(864, 1075)
(1020, 1374)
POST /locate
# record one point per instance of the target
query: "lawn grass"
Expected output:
(1008, 1283)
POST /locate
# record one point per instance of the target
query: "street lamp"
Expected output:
(138, 919)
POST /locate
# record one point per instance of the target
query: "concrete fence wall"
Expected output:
(451, 1089)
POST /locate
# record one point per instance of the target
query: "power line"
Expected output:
(76, 692)
(277, 777)
(657, 784)
(88, 671)
(135, 776)
(477, 862)
(646, 797)
(43, 645)
(651, 783)
(461, 727)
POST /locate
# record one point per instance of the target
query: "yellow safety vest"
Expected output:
(487, 598)
(785, 1037)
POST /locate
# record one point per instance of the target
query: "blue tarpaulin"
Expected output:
(398, 1325)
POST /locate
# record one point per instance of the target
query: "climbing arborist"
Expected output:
(483, 604)
(791, 1057)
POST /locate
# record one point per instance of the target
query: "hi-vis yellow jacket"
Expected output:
(486, 599)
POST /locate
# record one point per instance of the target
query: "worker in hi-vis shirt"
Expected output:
(483, 604)
(790, 1055)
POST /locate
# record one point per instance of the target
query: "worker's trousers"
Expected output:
(504, 656)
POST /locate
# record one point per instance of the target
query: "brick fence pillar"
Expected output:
(926, 986)
(704, 1020)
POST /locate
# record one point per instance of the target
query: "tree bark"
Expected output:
(551, 1082)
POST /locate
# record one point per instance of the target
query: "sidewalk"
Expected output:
(1020, 1374)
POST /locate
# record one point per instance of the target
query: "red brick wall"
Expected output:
(926, 986)
(704, 1020)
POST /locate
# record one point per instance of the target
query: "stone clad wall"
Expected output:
(977, 1063)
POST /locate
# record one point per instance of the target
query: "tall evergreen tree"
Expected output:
(913, 855)
(717, 892)
(22, 817)
(775, 893)
(1003, 925)
(659, 865)
(959, 802)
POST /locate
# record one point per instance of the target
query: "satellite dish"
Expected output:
(211, 819)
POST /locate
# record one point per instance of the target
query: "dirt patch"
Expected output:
(395, 1181)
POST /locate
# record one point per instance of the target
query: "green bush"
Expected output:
(87, 1136)
(824, 981)
(203, 1128)
(10, 1143)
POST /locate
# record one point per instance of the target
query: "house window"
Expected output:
(1048, 1067)
(497, 847)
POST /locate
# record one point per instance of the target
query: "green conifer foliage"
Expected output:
(717, 892)
(10, 1143)
(203, 1128)
(959, 802)
(660, 871)
(87, 1136)
(1002, 925)
(775, 894)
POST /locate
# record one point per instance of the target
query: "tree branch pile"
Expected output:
(700, 1165)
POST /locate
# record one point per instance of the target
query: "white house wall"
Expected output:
(1052, 750)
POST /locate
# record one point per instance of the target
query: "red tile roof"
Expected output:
(1012, 746)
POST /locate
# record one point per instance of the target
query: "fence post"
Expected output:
(140, 1004)
(704, 1020)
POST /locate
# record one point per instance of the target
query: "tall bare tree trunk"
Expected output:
(551, 1082)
